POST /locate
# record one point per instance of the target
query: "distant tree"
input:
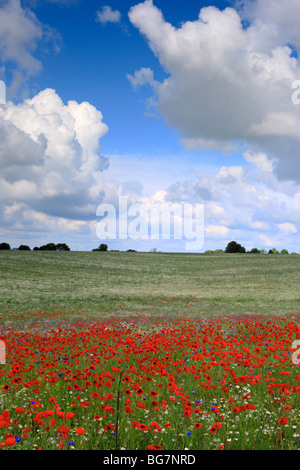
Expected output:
(102, 247)
(273, 251)
(209, 252)
(234, 247)
(4, 246)
(254, 250)
(284, 252)
(134, 251)
(52, 247)
(262, 250)
(62, 247)
(219, 250)
(48, 247)
(24, 248)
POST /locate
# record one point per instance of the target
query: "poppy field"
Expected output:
(219, 383)
(146, 372)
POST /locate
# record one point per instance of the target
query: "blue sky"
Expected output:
(93, 63)
(160, 101)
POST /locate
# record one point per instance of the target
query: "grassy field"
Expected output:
(101, 283)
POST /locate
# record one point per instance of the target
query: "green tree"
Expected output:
(4, 246)
(62, 247)
(234, 247)
(24, 248)
(102, 247)
(284, 252)
(48, 247)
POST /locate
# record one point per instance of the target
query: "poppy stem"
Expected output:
(118, 406)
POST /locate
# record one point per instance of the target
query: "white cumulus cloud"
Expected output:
(50, 155)
(228, 83)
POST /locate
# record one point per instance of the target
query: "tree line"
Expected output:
(232, 247)
(47, 247)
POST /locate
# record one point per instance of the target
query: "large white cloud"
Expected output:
(50, 155)
(272, 20)
(228, 83)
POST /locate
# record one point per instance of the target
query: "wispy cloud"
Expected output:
(21, 33)
(107, 15)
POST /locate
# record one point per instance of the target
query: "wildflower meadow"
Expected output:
(223, 381)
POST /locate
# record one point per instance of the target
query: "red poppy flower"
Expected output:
(283, 420)
(80, 431)
(61, 445)
(20, 410)
(108, 427)
(142, 427)
(10, 441)
(142, 405)
(128, 409)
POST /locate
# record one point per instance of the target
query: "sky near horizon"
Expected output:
(159, 101)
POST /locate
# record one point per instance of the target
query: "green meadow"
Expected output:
(98, 284)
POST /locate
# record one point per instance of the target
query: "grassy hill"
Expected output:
(105, 283)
